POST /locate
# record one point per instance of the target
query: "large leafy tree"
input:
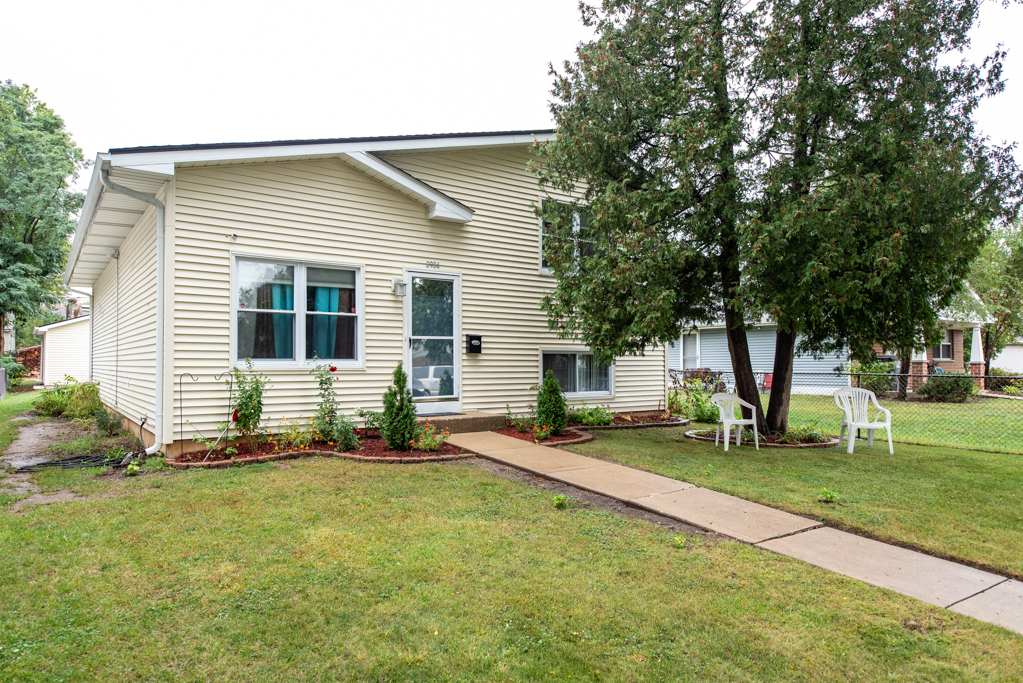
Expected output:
(996, 277)
(811, 162)
(38, 164)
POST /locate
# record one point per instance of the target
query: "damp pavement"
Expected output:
(30, 449)
(979, 594)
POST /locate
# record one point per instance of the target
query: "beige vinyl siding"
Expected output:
(326, 211)
(65, 352)
(124, 352)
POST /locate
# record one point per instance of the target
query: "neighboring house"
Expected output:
(64, 351)
(707, 347)
(363, 252)
(1011, 357)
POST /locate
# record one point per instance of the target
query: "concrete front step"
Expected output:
(466, 422)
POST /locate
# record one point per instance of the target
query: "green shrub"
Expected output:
(810, 432)
(15, 370)
(83, 401)
(1000, 380)
(248, 404)
(551, 410)
(597, 415)
(53, 402)
(108, 423)
(695, 403)
(372, 419)
(880, 378)
(949, 387)
(398, 423)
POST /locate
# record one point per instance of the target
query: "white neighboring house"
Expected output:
(360, 252)
(64, 351)
(1011, 357)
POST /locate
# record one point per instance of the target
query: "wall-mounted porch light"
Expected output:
(399, 287)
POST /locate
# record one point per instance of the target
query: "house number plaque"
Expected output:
(433, 264)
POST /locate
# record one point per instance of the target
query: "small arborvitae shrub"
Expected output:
(551, 410)
(398, 423)
(949, 387)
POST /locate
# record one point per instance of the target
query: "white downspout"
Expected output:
(158, 427)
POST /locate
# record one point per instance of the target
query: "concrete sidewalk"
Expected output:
(977, 593)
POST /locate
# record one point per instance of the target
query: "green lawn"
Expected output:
(986, 423)
(961, 504)
(334, 570)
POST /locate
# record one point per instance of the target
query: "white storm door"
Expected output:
(433, 355)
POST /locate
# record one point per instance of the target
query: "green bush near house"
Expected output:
(551, 409)
(15, 370)
(949, 387)
(1000, 380)
(878, 377)
(74, 400)
(398, 423)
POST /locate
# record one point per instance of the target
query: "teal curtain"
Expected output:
(324, 333)
(283, 299)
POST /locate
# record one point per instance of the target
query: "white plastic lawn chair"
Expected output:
(855, 404)
(726, 416)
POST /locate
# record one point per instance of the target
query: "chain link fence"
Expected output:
(961, 411)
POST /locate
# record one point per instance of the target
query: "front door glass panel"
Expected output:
(432, 342)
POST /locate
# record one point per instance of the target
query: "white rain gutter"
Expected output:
(148, 199)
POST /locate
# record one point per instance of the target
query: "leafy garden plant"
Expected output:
(429, 438)
(398, 423)
(551, 410)
(593, 416)
(521, 423)
(331, 425)
(248, 404)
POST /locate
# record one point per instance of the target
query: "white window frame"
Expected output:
(575, 395)
(940, 346)
(576, 227)
(300, 361)
(682, 348)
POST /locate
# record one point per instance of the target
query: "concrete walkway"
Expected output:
(977, 593)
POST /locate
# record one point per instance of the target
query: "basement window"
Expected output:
(578, 373)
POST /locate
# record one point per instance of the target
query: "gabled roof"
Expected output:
(60, 323)
(107, 217)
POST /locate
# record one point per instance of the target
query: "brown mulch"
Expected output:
(570, 435)
(372, 447)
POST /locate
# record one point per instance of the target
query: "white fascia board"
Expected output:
(85, 217)
(166, 169)
(326, 149)
(439, 206)
(37, 331)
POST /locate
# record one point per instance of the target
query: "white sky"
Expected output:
(132, 73)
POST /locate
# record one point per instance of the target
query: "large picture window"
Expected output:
(578, 372)
(272, 324)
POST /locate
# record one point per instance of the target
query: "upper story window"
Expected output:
(273, 326)
(581, 236)
(943, 350)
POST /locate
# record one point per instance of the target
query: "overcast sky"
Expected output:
(132, 73)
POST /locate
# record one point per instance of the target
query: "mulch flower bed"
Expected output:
(773, 440)
(373, 449)
(634, 422)
(569, 436)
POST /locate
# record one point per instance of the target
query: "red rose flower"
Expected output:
(333, 368)
(234, 416)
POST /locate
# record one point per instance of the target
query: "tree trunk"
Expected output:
(745, 381)
(781, 383)
(905, 358)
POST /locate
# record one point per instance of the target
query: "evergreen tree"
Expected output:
(551, 410)
(398, 424)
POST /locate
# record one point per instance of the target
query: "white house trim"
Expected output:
(439, 206)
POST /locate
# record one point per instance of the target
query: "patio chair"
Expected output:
(726, 416)
(855, 404)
